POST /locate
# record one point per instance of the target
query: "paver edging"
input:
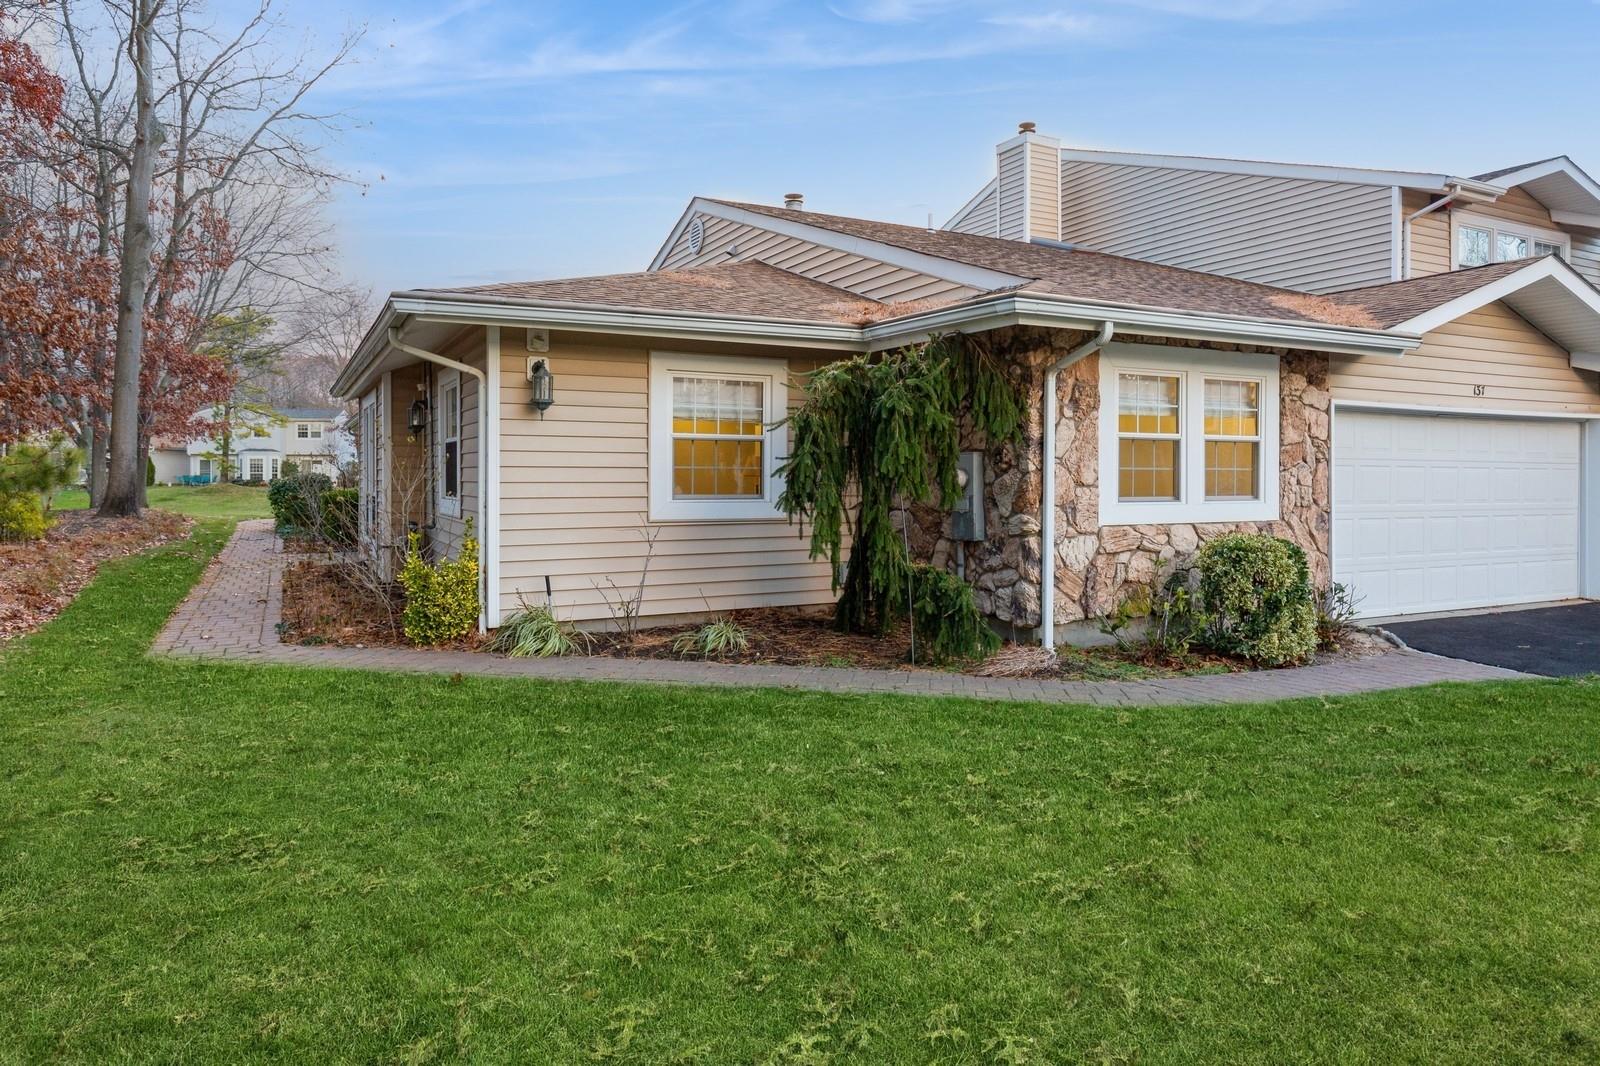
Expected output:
(234, 610)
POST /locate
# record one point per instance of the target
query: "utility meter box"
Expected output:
(966, 518)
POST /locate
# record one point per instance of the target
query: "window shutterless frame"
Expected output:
(680, 406)
(1193, 368)
(448, 421)
(1477, 240)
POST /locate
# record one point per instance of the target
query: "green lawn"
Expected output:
(221, 863)
(201, 501)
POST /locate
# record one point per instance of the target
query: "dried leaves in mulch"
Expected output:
(39, 578)
(778, 637)
(326, 604)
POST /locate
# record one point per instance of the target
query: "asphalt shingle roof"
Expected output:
(1086, 275)
(1398, 301)
(748, 288)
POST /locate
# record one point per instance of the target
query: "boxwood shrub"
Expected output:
(1256, 590)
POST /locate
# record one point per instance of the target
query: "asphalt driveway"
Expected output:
(1553, 641)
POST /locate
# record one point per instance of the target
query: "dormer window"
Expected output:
(1480, 241)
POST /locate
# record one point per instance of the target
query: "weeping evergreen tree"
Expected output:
(876, 431)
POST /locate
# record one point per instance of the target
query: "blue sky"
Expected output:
(502, 141)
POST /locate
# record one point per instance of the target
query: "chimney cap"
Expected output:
(1027, 127)
(794, 200)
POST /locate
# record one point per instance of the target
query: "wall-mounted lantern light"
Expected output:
(541, 385)
(417, 418)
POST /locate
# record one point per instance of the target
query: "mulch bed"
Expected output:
(39, 578)
(323, 605)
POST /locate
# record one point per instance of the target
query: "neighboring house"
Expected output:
(313, 438)
(1414, 400)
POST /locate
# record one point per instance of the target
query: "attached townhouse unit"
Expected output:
(1396, 370)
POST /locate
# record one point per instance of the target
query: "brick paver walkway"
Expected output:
(233, 613)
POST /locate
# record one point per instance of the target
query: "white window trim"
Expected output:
(275, 466)
(450, 506)
(1497, 226)
(302, 431)
(1193, 366)
(251, 474)
(773, 374)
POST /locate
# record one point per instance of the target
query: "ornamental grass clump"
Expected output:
(1255, 590)
(442, 597)
(536, 632)
(713, 640)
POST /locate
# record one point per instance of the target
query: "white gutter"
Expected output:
(1405, 228)
(1047, 490)
(991, 312)
(483, 459)
(1465, 190)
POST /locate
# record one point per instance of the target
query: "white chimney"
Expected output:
(794, 201)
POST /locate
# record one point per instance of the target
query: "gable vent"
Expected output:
(697, 234)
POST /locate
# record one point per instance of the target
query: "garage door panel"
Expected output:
(1442, 513)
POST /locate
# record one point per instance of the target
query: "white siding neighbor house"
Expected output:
(313, 438)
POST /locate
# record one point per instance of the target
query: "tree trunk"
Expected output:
(125, 479)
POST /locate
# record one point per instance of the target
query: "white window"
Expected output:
(275, 462)
(1187, 436)
(302, 431)
(257, 469)
(1480, 240)
(449, 423)
(713, 445)
(205, 468)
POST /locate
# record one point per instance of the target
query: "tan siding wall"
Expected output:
(867, 277)
(979, 216)
(575, 499)
(1314, 235)
(1519, 367)
(1430, 235)
(1013, 174)
(1044, 206)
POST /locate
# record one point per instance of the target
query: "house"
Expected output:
(1396, 370)
(313, 438)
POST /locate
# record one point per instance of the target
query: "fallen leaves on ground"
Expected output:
(39, 578)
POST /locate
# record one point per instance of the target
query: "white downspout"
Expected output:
(1047, 491)
(483, 458)
(1405, 229)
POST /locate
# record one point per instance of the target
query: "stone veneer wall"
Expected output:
(1099, 567)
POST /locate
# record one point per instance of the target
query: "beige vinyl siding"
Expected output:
(1519, 368)
(1044, 206)
(1012, 188)
(575, 500)
(1430, 235)
(1432, 253)
(866, 277)
(980, 216)
(1319, 236)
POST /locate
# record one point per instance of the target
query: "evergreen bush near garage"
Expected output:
(1256, 590)
(296, 501)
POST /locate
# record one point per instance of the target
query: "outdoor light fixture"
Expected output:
(541, 385)
(417, 417)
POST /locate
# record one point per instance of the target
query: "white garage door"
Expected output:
(1441, 513)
